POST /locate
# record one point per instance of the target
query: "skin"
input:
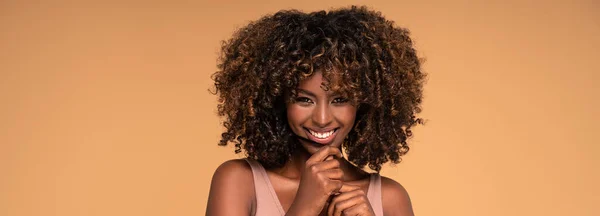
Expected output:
(317, 180)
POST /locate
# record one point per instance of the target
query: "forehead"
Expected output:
(312, 82)
(318, 84)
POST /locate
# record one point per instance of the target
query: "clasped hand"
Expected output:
(322, 181)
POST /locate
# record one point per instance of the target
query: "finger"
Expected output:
(334, 174)
(342, 197)
(341, 206)
(322, 154)
(348, 188)
(334, 186)
(359, 209)
(329, 164)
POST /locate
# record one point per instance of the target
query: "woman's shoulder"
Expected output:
(230, 184)
(235, 169)
(395, 198)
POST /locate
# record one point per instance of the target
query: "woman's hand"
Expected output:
(320, 179)
(352, 201)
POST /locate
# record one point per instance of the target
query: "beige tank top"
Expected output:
(267, 202)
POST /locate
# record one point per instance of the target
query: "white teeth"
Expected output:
(321, 135)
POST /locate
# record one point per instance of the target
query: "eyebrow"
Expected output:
(313, 95)
(306, 92)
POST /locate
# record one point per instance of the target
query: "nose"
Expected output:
(322, 115)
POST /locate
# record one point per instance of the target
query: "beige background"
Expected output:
(105, 109)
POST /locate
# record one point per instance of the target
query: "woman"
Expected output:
(295, 89)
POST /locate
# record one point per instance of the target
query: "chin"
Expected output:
(312, 147)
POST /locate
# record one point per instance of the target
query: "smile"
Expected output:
(321, 135)
(324, 137)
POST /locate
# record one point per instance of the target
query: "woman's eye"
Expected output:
(340, 100)
(303, 100)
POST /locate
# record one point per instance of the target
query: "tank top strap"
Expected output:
(267, 202)
(374, 194)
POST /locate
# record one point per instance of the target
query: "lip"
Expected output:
(325, 141)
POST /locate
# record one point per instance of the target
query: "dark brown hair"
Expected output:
(372, 61)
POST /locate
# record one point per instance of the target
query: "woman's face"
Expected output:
(319, 117)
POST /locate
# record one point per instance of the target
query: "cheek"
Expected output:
(346, 115)
(296, 115)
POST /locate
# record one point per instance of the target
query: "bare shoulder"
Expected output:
(232, 184)
(238, 168)
(395, 198)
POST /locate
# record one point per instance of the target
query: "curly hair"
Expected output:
(371, 61)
